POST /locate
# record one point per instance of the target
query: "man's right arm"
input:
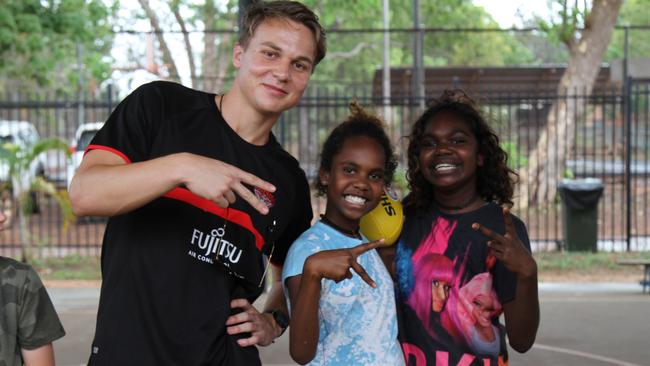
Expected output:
(105, 185)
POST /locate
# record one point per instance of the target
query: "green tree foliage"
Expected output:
(352, 56)
(543, 50)
(586, 30)
(355, 56)
(179, 45)
(633, 12)
(544, 45)
(565, 24)
(567, 20)
(22, 188)
(41, 41)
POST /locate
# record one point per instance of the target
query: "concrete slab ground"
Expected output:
(583, 324)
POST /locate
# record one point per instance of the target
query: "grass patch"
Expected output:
(76, 267)
(585, 261)
(72, 267)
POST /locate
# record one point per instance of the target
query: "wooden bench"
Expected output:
(646, 270)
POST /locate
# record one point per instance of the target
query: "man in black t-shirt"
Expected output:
(197, 189)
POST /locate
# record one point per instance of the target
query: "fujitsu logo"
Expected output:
(213, 243)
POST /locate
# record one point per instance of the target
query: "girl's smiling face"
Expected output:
(355, 181)
(449, 153)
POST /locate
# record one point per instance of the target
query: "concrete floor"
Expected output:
(582, 325)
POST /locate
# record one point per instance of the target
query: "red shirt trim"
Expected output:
(109, 149)
(238, 217)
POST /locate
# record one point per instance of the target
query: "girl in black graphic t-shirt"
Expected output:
(462, 260)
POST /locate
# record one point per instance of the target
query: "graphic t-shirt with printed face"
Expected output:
(171, 268)
(450, 291)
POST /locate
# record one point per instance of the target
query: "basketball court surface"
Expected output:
(582, 324)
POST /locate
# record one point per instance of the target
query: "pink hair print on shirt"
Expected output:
(437, 240)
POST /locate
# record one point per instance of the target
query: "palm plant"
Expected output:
(22, 186)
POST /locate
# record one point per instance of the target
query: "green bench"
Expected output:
(645, 282)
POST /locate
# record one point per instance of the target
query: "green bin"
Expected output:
(580, 213)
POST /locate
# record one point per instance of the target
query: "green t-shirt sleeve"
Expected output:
(38, 323)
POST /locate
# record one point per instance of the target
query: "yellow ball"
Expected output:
(385, 220)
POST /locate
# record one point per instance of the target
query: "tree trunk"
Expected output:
(188, 45)
(223, 61)
(546, 163)
(209, 61)
(216, 59)
(167, 58)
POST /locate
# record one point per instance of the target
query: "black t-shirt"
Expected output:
(450, 291)
(164, 300)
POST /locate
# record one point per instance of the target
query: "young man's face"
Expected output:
(275, 66)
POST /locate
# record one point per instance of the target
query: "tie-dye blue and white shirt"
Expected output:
(358, 324)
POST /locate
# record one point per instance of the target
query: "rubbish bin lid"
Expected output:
(581, 194)
(586, 184)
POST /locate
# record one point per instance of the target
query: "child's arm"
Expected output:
(304, 294)
(41, 356)
(303, 334)
(522, 313)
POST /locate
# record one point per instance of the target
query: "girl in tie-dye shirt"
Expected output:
(337, 317)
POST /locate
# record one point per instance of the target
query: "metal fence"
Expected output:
(612, 142)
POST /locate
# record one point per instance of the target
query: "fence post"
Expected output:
(386, 66)
(627, 103)
(109, 97)
(627, 99)
(81, 96)
(418, 58)
(303, 133)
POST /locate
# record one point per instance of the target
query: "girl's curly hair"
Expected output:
(494, 180)
(359, 123)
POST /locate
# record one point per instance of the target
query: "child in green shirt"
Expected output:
(28, 322)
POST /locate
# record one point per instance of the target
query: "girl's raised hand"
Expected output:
(336, 264)
(508, 248)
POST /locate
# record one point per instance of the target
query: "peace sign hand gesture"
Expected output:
(336, 264)
(508, 248)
